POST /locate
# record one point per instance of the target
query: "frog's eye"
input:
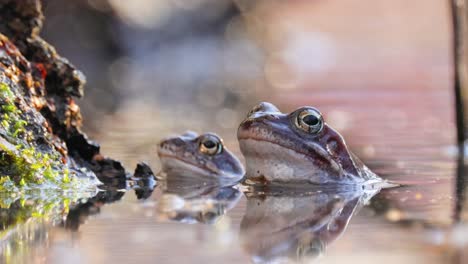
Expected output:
(310, 120)
(210, 145)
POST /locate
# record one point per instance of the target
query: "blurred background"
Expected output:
(379, 70)
(163, 66)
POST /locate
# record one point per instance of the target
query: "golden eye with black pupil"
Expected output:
(310, 120)
(210, 145)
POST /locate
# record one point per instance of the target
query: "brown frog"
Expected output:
(199, 157)
(297, 147)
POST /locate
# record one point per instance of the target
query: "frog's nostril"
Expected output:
(162, 144)
(272, 117)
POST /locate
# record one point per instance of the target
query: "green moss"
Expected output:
(9, 108)
(7, 185)
(6, 92)
(66, 176)
(18, 127)
(27, 165)
(11, 118)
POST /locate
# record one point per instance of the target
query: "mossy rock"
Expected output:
(41, 143)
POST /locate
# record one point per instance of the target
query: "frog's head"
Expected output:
(296, 146)
(199, 156)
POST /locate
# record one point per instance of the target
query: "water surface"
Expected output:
(415, 223)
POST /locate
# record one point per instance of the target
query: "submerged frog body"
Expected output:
(297, 147)
(200, 158)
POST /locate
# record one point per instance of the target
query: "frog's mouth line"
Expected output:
(319, 153)
(162, 154)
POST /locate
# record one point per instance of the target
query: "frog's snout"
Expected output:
(170, 144)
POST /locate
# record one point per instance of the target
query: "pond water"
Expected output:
(420, 222)
(378, 70)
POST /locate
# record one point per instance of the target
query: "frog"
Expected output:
(202, 158)
(297, 147)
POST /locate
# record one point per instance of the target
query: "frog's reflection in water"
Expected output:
(192, 202)
(283, 226)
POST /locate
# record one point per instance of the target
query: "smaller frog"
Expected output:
(296, 147)
(199, 157)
